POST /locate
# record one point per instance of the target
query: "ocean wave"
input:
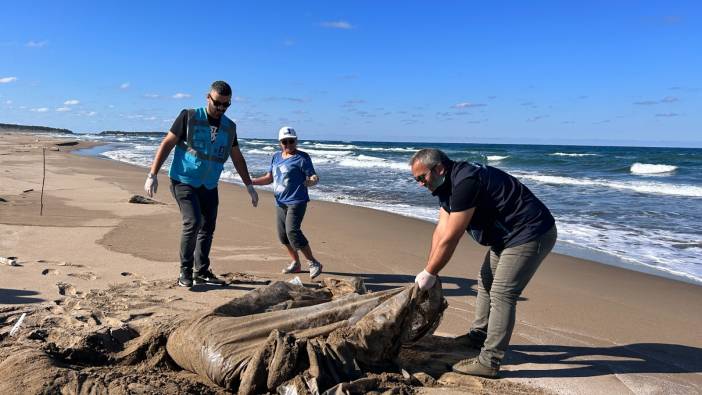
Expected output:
(365, 161)
(329, 146)
(654, 188)
(645, 168)
(395, 149)
(255, 142)
(327, 153)
(633, 247)
(263, 151)
(496, 158)
(130, 156)
(571, 154)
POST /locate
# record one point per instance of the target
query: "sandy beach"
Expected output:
(93, 261)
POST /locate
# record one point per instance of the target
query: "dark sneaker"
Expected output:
(207, 277)
(293, 267)
(474, 339)
(473, 367)
(186, 277)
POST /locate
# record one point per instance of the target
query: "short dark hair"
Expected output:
(430, 157)
(222, 88)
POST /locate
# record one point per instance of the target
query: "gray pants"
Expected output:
(503, 276)
(288, 221)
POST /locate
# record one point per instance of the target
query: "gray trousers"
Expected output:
(288, 222)
(503, 276)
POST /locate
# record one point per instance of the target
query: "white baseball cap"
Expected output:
(286, 132)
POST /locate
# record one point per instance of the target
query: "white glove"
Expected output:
(425, 280)
(312, 180)
(151, 184)
(254, 195)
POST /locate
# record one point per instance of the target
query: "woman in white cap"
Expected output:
(291, 172)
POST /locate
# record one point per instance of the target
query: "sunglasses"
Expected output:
(219, 103)
(288, 141)
(422, 178)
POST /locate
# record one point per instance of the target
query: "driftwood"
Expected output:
(67, 143)
(138, 199)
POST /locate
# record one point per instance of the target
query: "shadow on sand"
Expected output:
(597, 361)
(18, 296)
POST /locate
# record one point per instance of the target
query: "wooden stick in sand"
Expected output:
(43, 178)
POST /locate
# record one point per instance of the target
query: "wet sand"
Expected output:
(582, 327)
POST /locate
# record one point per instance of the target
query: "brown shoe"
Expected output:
(473, 367)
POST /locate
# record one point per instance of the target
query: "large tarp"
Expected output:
(286, 336)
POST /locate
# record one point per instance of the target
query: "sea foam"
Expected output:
(571, 154)
(645, 168)
(654, 188)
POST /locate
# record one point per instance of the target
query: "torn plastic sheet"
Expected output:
(288, 336)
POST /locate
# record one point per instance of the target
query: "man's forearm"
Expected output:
(161, 154)
(242, 169)
(441, 253)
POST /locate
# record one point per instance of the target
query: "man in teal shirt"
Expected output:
(203, 138)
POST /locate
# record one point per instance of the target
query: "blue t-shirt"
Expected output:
(289, 175)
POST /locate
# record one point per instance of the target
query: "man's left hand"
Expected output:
(254, 195)
(425, 280)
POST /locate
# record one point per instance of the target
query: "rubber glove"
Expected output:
(151, 184)
(254, 195)
(425, 280)
(312, 180)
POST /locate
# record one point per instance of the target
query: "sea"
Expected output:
(633, 207)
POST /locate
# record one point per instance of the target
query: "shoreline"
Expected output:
(582, 326)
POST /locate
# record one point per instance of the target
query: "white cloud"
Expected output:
(40, 109)
(181, 96)
(8, 101)
(668, 114)
(337, 25)
(468, 105)
(7, 80)
(37, 44)
(71, 102)
(150, 118)
(152, 95)
(110, 106)
(124, 85)
(91, 113)
(288, 43)
(63, 109)
(669, 99)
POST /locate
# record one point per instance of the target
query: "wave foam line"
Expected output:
(654, 188)
(646, 168)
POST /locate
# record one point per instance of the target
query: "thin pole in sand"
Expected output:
(43, 178)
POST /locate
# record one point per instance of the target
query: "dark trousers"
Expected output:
(198, 206)
(288, 222)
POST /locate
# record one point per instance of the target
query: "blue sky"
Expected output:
(624, 72)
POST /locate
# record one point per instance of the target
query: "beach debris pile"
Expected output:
(285, 337)
(137, 336)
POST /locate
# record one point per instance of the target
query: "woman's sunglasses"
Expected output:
(288, 141)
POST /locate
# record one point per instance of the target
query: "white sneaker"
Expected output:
(315, 269)
(293, 267)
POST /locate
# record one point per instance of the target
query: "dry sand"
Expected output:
(94, 267)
